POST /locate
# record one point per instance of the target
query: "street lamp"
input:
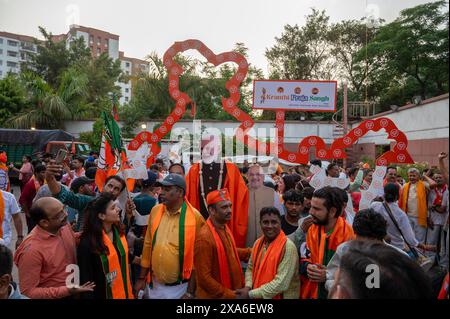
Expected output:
(33, 128)
(144, 126)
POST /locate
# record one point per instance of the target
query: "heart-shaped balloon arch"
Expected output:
(399, 154)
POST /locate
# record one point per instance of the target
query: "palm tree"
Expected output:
(48, 108)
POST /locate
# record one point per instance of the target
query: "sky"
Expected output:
(146, 26)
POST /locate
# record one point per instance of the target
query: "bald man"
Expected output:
(44, 256)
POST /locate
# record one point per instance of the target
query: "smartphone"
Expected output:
(61, 156)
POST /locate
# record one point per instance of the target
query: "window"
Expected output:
(12, 43)
(127, 64)
(1, 40)
(126, 98)
(99, 40)
(1, 51)
(98, 51)
(91, 39)
(1, 62)
(11, 64)
(106, 42)
(127, 90)
(12, 54)
(1, 73)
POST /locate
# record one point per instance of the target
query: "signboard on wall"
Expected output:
(307, 96)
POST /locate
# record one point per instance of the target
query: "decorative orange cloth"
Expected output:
(115, 270)
(222, 256)
(217, 196)
(316, 244)
(265, 268)
(421, 201)
(239, 198)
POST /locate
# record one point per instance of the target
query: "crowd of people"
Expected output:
(214, 230)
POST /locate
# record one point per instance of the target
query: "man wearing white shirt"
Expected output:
(9, 210)
(391, 193)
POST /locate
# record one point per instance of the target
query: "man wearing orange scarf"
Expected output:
(217, 260)
(328, 231)
(213, 173)
(272, 272)
(4, 178)
(414, 202)
(168, 254)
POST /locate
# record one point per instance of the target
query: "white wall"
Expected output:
(427, 121)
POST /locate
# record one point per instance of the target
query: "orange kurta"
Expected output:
(239, 198)
(207, 267)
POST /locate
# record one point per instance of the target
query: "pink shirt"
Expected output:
(42, 259)
(25, 169)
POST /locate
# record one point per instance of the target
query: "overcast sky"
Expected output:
(153, 25)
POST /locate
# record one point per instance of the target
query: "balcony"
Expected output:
(27, 47)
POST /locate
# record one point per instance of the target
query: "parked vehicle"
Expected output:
(17, 143)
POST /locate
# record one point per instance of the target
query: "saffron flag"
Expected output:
(112, 159)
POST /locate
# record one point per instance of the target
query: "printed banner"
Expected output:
(309, 96)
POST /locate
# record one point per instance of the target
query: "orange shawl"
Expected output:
(223, 260)
(2, 213)
(239, 198)
(187, 237)
(342, 232)
(115, 267)
(421, 202)
(265, 268)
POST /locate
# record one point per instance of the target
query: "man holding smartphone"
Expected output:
(113, 185)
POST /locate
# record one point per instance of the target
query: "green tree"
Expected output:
(204, 83)
(53, 58)
(12, 97)
(412, 52)
(48, 107)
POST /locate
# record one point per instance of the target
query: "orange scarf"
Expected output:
(421, 202)
(5, 168)
(187, 238)
(316, 244)
(223, 260)
(239, 197)
(265, 268)
(115, 268)
(2, 213)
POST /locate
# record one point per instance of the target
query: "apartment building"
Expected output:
(15, 49)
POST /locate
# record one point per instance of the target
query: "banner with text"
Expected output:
(309, 96)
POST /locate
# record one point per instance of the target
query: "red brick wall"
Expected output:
(428, 150)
